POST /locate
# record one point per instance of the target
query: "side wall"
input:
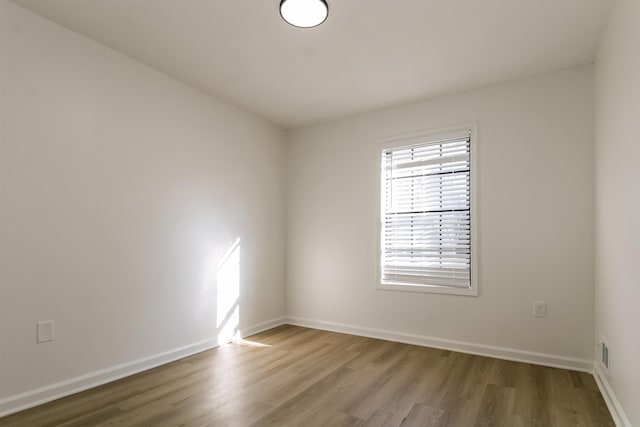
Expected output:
(618, 206)
(535, 205)
(121, 190)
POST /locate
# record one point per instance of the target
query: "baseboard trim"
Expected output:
(261, 327)
(31, 398)
(61, 389)
(543, 359)
(617, 413)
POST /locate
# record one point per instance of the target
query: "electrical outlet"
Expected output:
(539, 309)
(44, 331)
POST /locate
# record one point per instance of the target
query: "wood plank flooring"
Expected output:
(292, 376)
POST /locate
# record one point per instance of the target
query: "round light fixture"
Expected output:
(304, 13)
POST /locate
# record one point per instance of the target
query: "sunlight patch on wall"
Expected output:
(228, 294)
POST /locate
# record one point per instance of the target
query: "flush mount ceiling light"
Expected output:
(304, 13)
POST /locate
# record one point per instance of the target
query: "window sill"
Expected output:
(430, 289)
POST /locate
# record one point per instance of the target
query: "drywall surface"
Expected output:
(535, 205)
(618, 202)
(121, 192)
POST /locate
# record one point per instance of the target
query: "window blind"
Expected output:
(426, 213)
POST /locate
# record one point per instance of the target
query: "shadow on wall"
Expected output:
(228, 297)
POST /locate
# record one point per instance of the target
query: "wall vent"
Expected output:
(604, 354)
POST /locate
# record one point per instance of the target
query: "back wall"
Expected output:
(536, 217)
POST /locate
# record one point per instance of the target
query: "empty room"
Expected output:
(319, 213)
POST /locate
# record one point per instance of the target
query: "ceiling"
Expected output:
(369, 54)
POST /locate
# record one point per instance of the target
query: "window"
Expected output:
(426, 214)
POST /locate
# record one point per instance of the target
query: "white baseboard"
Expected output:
(617, 413)
(31, 398)
(260, 327)
(543, 359)
(61, 389)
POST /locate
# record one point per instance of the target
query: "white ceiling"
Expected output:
(368, 55)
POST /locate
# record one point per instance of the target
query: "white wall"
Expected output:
(121, 189)
(618, 202)
(536, 204)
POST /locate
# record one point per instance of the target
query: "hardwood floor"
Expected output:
(292, 376)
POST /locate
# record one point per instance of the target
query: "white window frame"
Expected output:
(433, 135)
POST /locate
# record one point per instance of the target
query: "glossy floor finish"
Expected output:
(292, 376)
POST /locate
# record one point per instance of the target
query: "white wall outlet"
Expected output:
(539, 309)
(44, 331)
